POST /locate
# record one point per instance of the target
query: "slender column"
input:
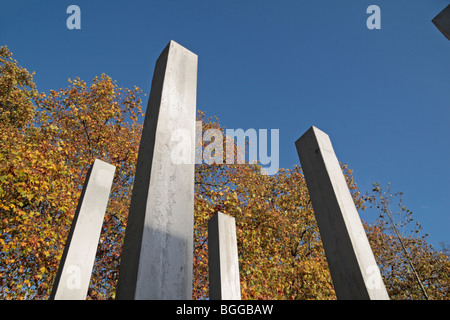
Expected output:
(224, 282)
(353, 268)
(77, 261)
(157, 255)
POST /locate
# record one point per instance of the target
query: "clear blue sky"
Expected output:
(382, 95)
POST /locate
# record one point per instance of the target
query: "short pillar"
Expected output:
(352, 264)
(224, 282)
(157, 254)
(77, 261)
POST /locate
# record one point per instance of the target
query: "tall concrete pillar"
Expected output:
(157, 255)
(352, 264)
(224, 282)
(77, 261)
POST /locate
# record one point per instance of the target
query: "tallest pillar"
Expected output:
(157, 254)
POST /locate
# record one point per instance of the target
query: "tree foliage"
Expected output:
(17, 91)
(412, 269)
(48, 141)
(45, 152)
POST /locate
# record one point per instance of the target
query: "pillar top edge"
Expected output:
(312, 130)
(173, 43)
(99, 161)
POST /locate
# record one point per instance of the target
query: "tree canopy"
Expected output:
(49, 140)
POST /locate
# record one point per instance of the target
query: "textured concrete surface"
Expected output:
(353, 268)
(157, 256)
(74, 273)
(224, 282)
(442, 22)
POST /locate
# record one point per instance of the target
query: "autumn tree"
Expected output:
(411, 268)
(280, 252)
(45, 151)
(48, 141)
(17, 91)
(98, 121)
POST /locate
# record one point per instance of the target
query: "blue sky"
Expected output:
(382, 95)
